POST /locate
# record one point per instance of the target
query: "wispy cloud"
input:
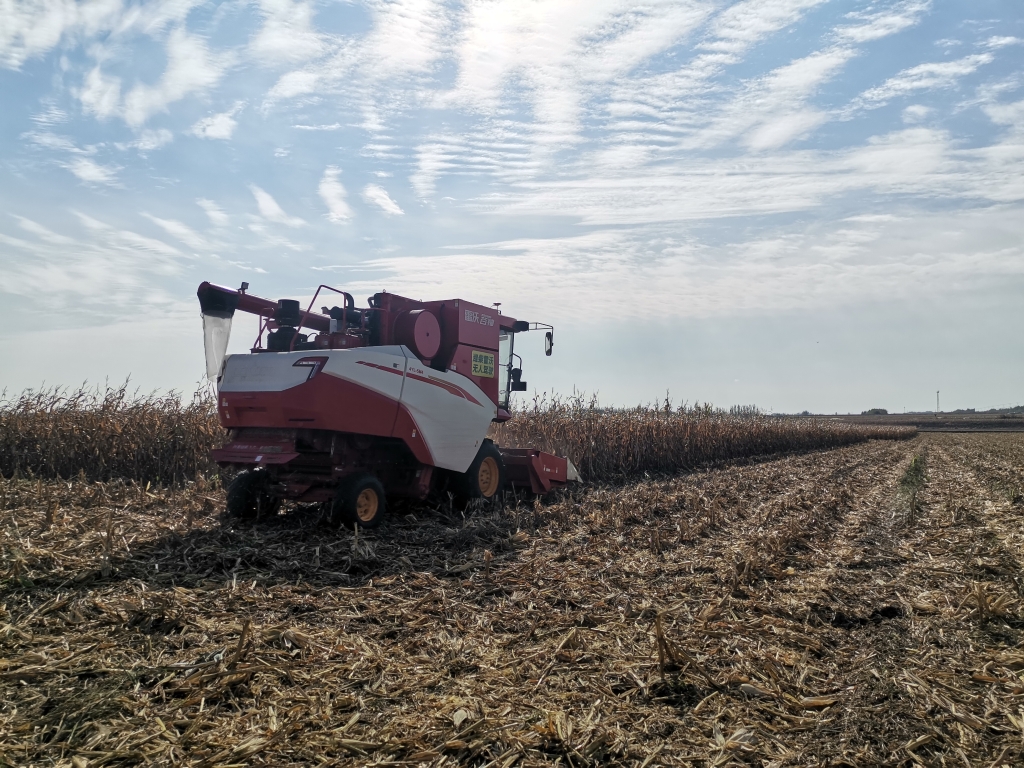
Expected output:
(876, 24)
(271, 211)
(219, 126)
(215, 213)
(332, 192)
(874, 258)
(149, 140)
(773, 110)
(378, 196)
(287, 35)
(930, 76)
(191, 68)
(92, 172)
(43, 233)
(180, 231)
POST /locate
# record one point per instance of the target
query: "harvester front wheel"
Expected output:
(485, 477)
(359, 501)
(249, 496)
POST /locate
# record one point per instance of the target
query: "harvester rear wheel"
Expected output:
(359, 501)
(485, 477)
(249, 496)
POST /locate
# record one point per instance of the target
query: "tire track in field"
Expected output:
(919, 655)
(995, 480)
(837, 595)
(728, 619)
(628, 541)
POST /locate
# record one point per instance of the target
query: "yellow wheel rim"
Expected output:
(366, 505)
(488, 476)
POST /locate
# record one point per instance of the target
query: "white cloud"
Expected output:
(1001, 42)
(741, 25)
(287, 35)
(94, 277)
(271, 211)
(1007, 114)
(559, 55)
(216, 215)
(791, 267)
(888, 21)
(50, 116)
(332, 192)
(219, 126)
(149, 140)
(92, 172)
(406, 40)
(272, 240)
(772, 109)
(42, 232)
(181, 231)
(779, 131)
(330, 127)
(55, 141)
(100, 95)
(915, 113)
(31, 29)
(943, 74)
(377, 195)
(191, 68)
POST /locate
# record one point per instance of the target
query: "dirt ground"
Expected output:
(854, 607)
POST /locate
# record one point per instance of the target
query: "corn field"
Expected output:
(107, 434)
(607, 444)
(116, 434)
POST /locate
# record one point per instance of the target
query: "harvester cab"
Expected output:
(347, 405)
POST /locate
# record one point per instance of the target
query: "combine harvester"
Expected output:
(392, 399)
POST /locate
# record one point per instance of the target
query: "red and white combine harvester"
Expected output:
(395, 398)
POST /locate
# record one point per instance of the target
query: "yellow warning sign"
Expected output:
(483, 364)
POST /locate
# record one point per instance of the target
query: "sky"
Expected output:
(796, 204)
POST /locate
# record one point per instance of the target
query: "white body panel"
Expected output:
(450, 413)
(276, 371)
(454, 418)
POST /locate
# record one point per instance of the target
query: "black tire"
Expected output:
(249, 496)
(485, 478)
(359, 501)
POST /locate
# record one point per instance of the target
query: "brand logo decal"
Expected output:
(315, 365)
(478, 317)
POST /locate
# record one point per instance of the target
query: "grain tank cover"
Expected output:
(419, 330)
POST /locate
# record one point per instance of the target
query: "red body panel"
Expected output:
(312, 405)
(539, 470)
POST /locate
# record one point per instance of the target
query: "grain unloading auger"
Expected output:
(394, 399)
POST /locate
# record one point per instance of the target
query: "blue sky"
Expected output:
(793, 203)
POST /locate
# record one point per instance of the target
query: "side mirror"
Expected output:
(516, 385)
(519, 326)
(549, 342)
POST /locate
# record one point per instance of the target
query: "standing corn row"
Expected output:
(606, 443)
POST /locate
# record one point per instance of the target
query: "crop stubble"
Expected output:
(789, 612)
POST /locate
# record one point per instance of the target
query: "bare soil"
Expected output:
(859, 606)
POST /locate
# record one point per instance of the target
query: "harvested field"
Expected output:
(859, 606)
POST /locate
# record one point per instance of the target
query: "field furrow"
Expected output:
(857, 606)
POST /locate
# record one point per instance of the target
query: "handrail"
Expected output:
(344, 311)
